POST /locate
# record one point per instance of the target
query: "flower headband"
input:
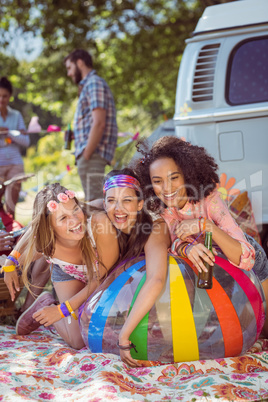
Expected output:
(121, 180)
(62, 197)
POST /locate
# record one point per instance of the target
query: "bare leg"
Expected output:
(69, 332)
(40, 275)
(265, 289)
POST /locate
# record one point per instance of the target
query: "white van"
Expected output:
(222, 97)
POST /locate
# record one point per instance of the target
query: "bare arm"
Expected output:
(96, 132)
(156, 271)
(11, 278)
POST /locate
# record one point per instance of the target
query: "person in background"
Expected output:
(95, 127)
(12, 136)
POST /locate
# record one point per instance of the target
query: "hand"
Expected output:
(197, 253)
(6, 241)
(187, 228)
(12, 281)
(125, 354)
(86, 154)
(47, 315)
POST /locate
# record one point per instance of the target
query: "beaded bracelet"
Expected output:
(15, 254)
(199, 223)
(70, 309)
(13, 259)
(8, 268)
(204, 224)
(61, 313)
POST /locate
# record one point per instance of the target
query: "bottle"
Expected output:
(205, 278)
(68, 137)
(2, 226)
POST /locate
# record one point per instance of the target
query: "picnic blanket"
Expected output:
(42, 367)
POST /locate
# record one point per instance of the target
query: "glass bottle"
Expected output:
(205, 278)
(68, 137)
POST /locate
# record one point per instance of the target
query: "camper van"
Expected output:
(222, 98)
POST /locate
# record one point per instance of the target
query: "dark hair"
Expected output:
(6, 84)
(133, 244)
(199, 169)
(80, 54)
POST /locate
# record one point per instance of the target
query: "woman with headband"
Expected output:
(80, 253)
(137, 233)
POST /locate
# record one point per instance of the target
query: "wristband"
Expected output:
(64, 310)
(199, 224)
(61, 313)
(13, 259)
(15, 254)
(70, 310)
(8, 268)
(204, 224)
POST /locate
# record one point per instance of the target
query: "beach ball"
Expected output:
(186, 323)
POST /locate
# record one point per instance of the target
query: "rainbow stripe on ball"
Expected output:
(186, 323)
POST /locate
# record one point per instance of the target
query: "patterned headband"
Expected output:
(62, 197)
(121, 180)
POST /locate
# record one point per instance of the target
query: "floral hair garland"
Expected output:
(62, 197)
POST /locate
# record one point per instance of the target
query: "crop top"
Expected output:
(216, 210)
(79, 272)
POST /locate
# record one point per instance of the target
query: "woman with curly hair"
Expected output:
(180, 183)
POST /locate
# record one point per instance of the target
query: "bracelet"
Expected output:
(8, 268)
(204, 224)
(15, 254)
(70, 309)
(127, 347)
(173, 246)
(13, 259)
(182, 251)
(61, 313)
(199, 223)
(64, 310)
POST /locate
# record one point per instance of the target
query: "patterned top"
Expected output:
(95, 94)
(10, 153)
(79, 272)
(213, 208)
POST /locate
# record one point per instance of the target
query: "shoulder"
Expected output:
(14, 112)
(101, 224)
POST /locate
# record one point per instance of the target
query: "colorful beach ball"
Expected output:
(186, 323)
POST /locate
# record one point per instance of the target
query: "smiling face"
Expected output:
(168, 182)
(122, 205)
(68, 221)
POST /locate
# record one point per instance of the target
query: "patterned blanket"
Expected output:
(41, 367)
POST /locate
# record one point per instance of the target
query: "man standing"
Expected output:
(95, 128)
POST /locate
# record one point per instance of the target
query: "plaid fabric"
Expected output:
(10, 153)
(95, 94)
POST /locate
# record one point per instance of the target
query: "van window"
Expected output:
(247, 75)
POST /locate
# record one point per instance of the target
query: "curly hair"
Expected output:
(199, 169)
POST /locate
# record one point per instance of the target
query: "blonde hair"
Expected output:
(41, 236)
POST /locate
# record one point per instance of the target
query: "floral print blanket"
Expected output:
(41, 367)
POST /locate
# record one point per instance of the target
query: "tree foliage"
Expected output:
(136, 46)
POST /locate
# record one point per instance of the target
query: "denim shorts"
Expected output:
(58, 275)
(261, 262)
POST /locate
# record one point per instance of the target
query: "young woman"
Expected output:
(80, 252)
(12, 136)
(137, 233)
(180, 182)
